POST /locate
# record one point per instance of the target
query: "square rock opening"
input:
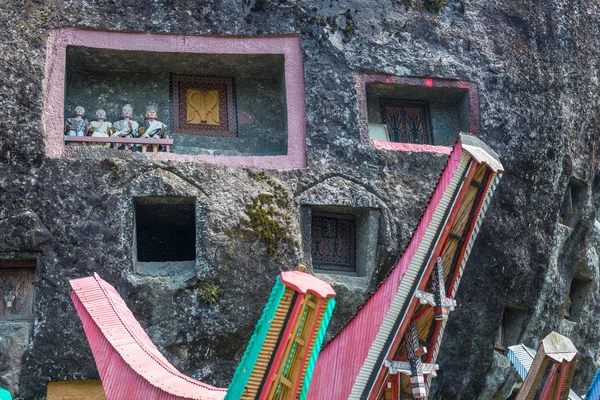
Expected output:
(580, 286)
(514, 320)
(572, 202)
(418, 115)
(215, 104)
(340, 240)
(17, 293)
(165, 231)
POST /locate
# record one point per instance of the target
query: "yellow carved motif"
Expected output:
(75, 390)
(202, 107)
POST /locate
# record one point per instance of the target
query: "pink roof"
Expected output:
(306, 283)
(342, 358)
(130, 365)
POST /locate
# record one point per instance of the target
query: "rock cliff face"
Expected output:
(536, 68)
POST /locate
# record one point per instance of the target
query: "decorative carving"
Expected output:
(407, 121)
(16, 292)
(203, 105)
(333, 242)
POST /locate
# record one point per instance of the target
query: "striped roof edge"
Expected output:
(593, 392)
(120, 328)
(474, 145)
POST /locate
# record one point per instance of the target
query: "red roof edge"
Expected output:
(306, 283)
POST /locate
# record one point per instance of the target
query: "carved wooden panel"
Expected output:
(333, 242)
(407, 121)
(203, 105)
(16, 292)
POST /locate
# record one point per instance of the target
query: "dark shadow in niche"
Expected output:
(572, 202)
(165, 235)
(511, 329)
(577, 294)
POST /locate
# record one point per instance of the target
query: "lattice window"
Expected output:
(407, 121)
(333, 241)
(203, 105)
(16, 289)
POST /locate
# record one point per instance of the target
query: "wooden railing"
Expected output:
(167, 142)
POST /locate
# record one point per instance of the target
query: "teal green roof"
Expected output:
(317, 349)
(246, 365)
(5, 395)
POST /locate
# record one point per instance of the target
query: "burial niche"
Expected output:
(580, 286)
(340, 240)
(511, 328)
(165, 229)
(419, 111)
(209, 103)
(572, 202)
(16, 289)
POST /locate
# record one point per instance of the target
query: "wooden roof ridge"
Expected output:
(471, 148)
(306, 283)
(118, 326)
(344, 352)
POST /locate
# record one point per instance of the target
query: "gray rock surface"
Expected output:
(536, 66)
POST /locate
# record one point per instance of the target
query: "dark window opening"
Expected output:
(333, 244)
(16, 289)
(165, 229)
(572, 202)
(577, 294)
(513, 324)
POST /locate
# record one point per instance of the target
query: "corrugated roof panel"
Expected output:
(594, 390)
(130, 365)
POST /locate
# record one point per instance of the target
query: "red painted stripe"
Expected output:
(309, 340)
(549, 383)
(563, 372)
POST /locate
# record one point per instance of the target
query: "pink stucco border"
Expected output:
(288, 45)
(361, 88)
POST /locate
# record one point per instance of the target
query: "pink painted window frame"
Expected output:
(362, 80)
(288, 45)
